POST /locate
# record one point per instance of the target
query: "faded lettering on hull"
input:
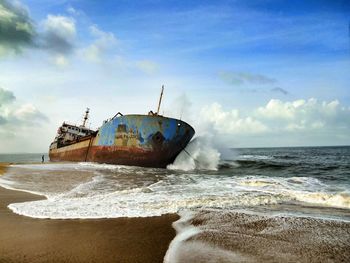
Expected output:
(141, 140)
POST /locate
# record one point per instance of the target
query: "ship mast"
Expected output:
(86, 117)
(160, 100)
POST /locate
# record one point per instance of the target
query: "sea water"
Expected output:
(311, 181)
(211, 193)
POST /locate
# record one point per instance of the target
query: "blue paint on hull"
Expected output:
(157, 138)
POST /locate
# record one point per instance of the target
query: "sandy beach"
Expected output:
(25, 239)
(212, 235)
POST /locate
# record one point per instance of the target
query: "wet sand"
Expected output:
(208, 236)
(24, 239)
(227, 237)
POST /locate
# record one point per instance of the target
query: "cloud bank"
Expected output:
(6, 96)
(14, 117)
(312, 118)
(16, 28)
(23, 127)
(102, 43)
(58, 34)
(231, 121)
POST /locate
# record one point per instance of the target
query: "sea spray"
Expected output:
(199, 154)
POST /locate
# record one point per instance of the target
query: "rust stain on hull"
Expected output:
(116, 155)
(138, 140)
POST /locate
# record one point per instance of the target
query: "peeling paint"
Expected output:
(141, 140)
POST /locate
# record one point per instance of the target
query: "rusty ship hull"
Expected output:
(137, 140)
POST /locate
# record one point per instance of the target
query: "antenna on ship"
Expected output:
(160, 100)
(86, 117)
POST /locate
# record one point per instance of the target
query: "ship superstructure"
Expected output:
(69, 133)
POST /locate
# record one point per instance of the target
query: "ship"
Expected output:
(146, 140)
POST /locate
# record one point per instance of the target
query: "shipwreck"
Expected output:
(147, 140)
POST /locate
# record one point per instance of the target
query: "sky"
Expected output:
(242, 73)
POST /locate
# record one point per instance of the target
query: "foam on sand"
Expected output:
(240, 237)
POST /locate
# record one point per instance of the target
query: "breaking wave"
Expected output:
(89, 190)
(198, 154)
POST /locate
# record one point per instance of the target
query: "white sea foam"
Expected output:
(254, 157)
(103, 166)
(184, 231)
(105, 191)
(341, 200)
(210, 235)
(186, 248)
(128, 203)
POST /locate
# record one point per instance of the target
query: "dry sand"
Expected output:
(24, 239)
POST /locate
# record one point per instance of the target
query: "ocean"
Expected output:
(306, 189)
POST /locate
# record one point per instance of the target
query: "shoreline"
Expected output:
(218, 236)
(25, 239)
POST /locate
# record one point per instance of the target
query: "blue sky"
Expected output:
(253, 73)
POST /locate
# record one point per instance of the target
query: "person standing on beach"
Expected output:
(42, 158)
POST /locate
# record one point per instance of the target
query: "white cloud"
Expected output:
(282, 122)
(103, 49)
(74, 12)
(276, 109)
(56, 33)
(28, 112)
(59, 33)
(304, 114)
(5, 14)
(230, 122)
(16, 28)
(103, 42)
(14, 114)
(62, 26)
(20, 126)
